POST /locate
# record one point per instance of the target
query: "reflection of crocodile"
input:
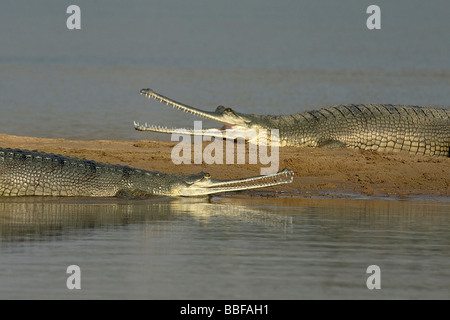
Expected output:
(29, 219)
(417, 130)
(36, 173)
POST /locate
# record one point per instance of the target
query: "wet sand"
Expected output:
(318, 172)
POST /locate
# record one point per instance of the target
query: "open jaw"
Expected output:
(228, 118)
(206, 185)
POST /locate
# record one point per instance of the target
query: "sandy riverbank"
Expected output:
(335, 172)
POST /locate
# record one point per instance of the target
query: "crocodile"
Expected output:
(33, 173)
(381, 127)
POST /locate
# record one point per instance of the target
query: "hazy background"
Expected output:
(256, 56)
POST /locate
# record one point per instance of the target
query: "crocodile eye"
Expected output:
(222, 109)
(206, 176)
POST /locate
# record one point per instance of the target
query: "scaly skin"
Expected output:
(31, 173)
(385, 128)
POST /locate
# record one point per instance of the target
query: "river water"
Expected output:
(262, 57)
(226, 248)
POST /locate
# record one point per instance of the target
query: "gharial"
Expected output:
(381, 127)
(32, 173)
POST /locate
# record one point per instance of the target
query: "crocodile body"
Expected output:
(385, 128)
(417, 130)
(31, 173)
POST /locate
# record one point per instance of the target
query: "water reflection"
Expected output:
(246, 246)
(32, 218)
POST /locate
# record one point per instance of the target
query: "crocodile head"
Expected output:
(234, 124)
(143, 183)
(201, 184)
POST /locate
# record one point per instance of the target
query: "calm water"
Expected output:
(258, 57)
(224, 249)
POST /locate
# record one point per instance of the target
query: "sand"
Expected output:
(318, 172)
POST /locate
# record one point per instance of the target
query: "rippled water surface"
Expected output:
(265, 57)
(225, 248)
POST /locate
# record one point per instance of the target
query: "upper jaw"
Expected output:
(206, 185)
(229, 122)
